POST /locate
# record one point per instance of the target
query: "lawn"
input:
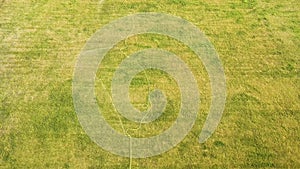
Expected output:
(258, 43)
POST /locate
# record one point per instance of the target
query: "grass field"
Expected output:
(257, 41)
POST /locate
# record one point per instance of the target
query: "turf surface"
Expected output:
(257, 41)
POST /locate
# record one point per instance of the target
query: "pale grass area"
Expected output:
(257, 41)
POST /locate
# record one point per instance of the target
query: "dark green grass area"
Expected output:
(257, 41)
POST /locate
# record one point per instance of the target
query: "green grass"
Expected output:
(257, 41)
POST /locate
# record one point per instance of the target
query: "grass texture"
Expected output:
(257, 41)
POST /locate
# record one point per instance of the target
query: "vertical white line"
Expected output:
(130, 153)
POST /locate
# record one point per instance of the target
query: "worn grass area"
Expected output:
(257, 41)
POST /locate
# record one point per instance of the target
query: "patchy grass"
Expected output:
(258, 42)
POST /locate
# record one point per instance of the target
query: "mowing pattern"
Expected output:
(258, 43)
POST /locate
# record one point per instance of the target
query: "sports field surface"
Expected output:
(258, 43)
